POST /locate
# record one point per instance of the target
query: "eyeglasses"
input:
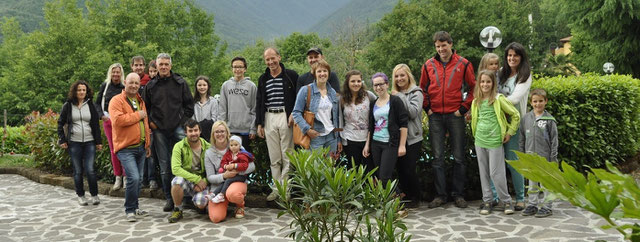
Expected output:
(379, 84)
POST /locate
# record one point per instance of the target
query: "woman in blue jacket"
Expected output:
(324, 104)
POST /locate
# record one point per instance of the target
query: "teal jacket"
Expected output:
(502, 106)
(181, 158)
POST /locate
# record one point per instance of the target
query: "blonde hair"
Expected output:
(405, 68)
(108, 80)
(477, 92)
(484, 62)
(213, 131)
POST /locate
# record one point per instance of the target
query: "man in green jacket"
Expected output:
(187, 164)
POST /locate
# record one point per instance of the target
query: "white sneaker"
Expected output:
(95, 200)
(218, 198)
(141, 213)
(124, 182)
(131, 217)
(272, 196)
(83, 201)
(118, 184)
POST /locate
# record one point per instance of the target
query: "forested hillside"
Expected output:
(358, 11)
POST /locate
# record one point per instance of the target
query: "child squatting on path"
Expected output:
(236, 159)
(539, 134)
(490, 130)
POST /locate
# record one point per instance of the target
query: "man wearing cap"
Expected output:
(313, 55)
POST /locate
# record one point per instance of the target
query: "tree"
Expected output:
(81, 45)
(605, 31)
(406, 34)
(147, 27)
(294, 47)
(66, 51)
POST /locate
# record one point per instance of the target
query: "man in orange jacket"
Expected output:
(445, 77)
(131, 141)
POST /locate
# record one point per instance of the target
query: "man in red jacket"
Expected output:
(445, 78)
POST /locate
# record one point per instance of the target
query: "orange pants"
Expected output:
(235, 194)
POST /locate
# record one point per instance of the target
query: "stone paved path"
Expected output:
(31, 211)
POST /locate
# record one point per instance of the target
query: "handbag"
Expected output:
(298, 137)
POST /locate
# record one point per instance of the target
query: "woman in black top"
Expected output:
(79, 133)
(388, 121)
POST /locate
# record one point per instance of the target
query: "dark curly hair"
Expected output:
(72, 96)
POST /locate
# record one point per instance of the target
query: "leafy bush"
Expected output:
(601, 192)
(598, 117)
(42, 137)
(329, 202)
(14, 140)
(40, 132)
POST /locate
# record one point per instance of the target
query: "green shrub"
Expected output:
(332, 203)
(40, 132)
(598, 117)
(600, 192)
(14, 140)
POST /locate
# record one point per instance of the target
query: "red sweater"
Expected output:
(443, 85)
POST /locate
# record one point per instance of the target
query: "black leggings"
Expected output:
(353, 150)
(407, 176)
(384, 157)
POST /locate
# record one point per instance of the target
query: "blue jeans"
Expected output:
(439, 126)
(132, 160)
(516, 178)
(83, 157)
(330, 140)
(149, 168)
(163, 146)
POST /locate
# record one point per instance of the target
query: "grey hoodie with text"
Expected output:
(539, 135)
(238, 105)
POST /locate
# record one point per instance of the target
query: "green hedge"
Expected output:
(14, 140)
(597, 117)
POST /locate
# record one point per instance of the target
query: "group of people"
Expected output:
(202, 143)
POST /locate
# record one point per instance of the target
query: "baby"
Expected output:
(236, 159)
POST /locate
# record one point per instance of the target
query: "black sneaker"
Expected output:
(544, 212)
(530, 210)
(168, 206)
(519, 206)
(412, 204)
(497, 206)
(437, 202)
(485, 209)
(460, 202)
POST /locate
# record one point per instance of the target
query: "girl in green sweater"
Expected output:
(490, 130)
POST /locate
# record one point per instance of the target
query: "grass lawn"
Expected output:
(17, 160)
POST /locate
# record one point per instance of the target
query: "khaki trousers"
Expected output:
(279, 141)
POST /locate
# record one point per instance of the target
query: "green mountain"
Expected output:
(27, 12)
(241, 22)
(356, 12)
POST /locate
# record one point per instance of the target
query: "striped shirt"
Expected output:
(275, 93)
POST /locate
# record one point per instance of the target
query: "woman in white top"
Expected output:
(355, 102)
(514, 83)
(205, 110)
